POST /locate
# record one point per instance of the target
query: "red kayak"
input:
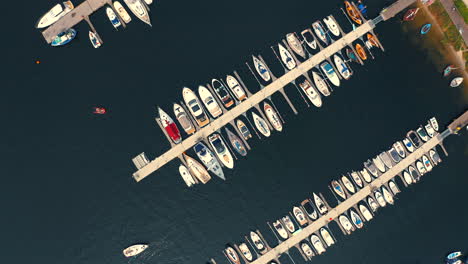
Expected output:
(169, 126)
(99, 110)
(410, 14)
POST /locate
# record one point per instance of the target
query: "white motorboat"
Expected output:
(346, 224)
(186, 176)
(393, 187)
(208, 159)
(421, 168)
(280, 229)
(244, 130)
(320, 32)
(286, 57)
(295, 44)
(409, 145)
(261, 69)
(407, 177)
(272, 117)
(386, 159)
(393, 153)
(94, 40)
(434, 123)
(373, 205)
(221, 150)
(414, 138)
(326, 236)
(338, 189)
(387, 195)
(288, 224)
(195, 107)
(183, 119)
(54, 14)
(235, 88)
(365, 175)
(456, 82)
(400, 149)
(113, 18)
(299, 215)
(365, 212)
(222, 93)
(427, 163)
(357, 179)
(380, 199)
(327, 68)
(122, 12)
(332, 26)
(422, 134)
(244, 249)
(309, 38)
(197, 170)
(309, 209)
(258, 242)
(317, 243)
(429, 130)
(434, 156)
(209, 101)
(307, 250)
(348, 184)
(134, 250)
(356, 219)
(320, 204)
(321, 85)
(311, 93)
(232, 255)
(261, 125)
(139, 10)
(342, 67)
(370, 166)
(379, 164)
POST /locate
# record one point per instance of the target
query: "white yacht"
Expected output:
(379, 164)
(317, 243)
(286, 57)
(348, 184)
(307, 250)
(235, 88)
(122, 12)
(320, 204)
(327, 68)
(299, 215)
(386, 159)
(400, 149)
(365, 212)
(288, 224)
(261, 125)
(380, 198)
(430, 131)
(113, 18)
(221, 150)
(311, 93)
(183, 119)
(134, 250)
(338, 189)
(139, 10)
(261, 69)
(356, 219)
(407, 177)
(280, 229)
(232, 255)
(195, 107)
(186, 176)
(209, 101)
(346, 224)
(393, 187)
(357, 179)
(272, 117)
(409, 145)
(54, 14)
(258, 243)
(332, 26)
(342, 67)
(326, 236)
(387, 195)
(434, 123)
(197, 170)
(422, 134)
(309, 38)
(365, 175)
(321, 85)
(320, 32)
(427, 163)
(434, 156)
(373, 205)
(295, 44)
(244, 249)
(208, 159)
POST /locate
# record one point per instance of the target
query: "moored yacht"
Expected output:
(394, 155)
(186, 176)
(338, 189)
(427, 163)
(221, 150)
(261, 125)
(348, 184)
(317, 243)
(54, 14)
(94, 39)
(138, 10)
(209, 101)
(429, 130)
(169, 126)
(393, 187)
(320, 204)
(365, 175)
(258, 242)
(356, 219)
(122, 12)
(370, 166)
(387, 195)
(299, 215)
(280, 229)
(407, 177)
(261, 69)
(342, 67)
(309, 209)
(295, 44)
(208, 159)
(320, 32)
(414, 138)
(235, 88)
(379, 164)
(244, 249)
(232, 255)
(408, 144)
(195, 107)
(63, 38)
(307, 250)
(386, 159)
(414, 173)
(373, 205)
(365, 212)
(327, 68)
(288, 224)
(380, 199)
(197, 170)
(222, 93)
(326, 236)
(422, 134)
(434, 156)
(400, 149)
(311, 93)
(183, 119)
(309, 38)
(357, 179)
(331, 25)
(244, 130)
(272, 117)
(236, 142)
(346, 224)
(134, 250)
(434, 123)
(321, 85)
(286, 57)
(112, 17)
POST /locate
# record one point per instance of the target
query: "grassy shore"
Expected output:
(462, 9)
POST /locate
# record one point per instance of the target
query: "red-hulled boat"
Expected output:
(169, 126)
(410, 14)
(99, 110)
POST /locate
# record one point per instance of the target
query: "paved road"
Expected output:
(456, 18)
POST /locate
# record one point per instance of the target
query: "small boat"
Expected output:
(394, 155)
(348, 184)
(261, 125)
(321, 85)
(94, 40)
(410, 14)
(357, 179)
(421, 168)
(373, 205)
(372, 40)
(54, 14)
(422, 134)
(194, 107)
(414, 173)
(311, 93)
(244, 249)
(454, 255)
(209, 101)
(393, 187)
(386, 159)
(429, 130)
(338, 189)
(134, 250)
(434, 123)
(317, 243)
(244, 130)
(409, 145)
(365, 175)
(186, 176)
(448, 70)
(99, 110)
(398, 146)
(261, 69)
(456, 82)
(236, 142)
(232, 255)
(362, 8)
(183, 119)
(331, 25)
(288, 224)
(353, 13)
(407, 177)
(208, 159)
(425, 29)
(280, 229)
(370, 166)
(361, 52)
(122, 12)
(434, 156)
(342, 67)
(380, 198)
(387, 195)
(326, 236)
(138, 10)
(295, 44)
(222, 93)
(286, 57)
(427, 163)
(169, 126)
(148, 2)
(197, 170)
(299, 215)
(320, 204)
(235, 88)
(414, 138)
(351, 55)
(356, 219)
(112, 17)
(346, 224)
(307, 250)
(320, 32)
(379, 164)
(327, 68)
(221, 150)
(309, 209)
(309, 38)
(63, 38)
(365, 212)
(258, 242)
(272, 117)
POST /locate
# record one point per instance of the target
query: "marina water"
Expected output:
(68, 193)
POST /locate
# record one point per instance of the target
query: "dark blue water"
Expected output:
(68, 195)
